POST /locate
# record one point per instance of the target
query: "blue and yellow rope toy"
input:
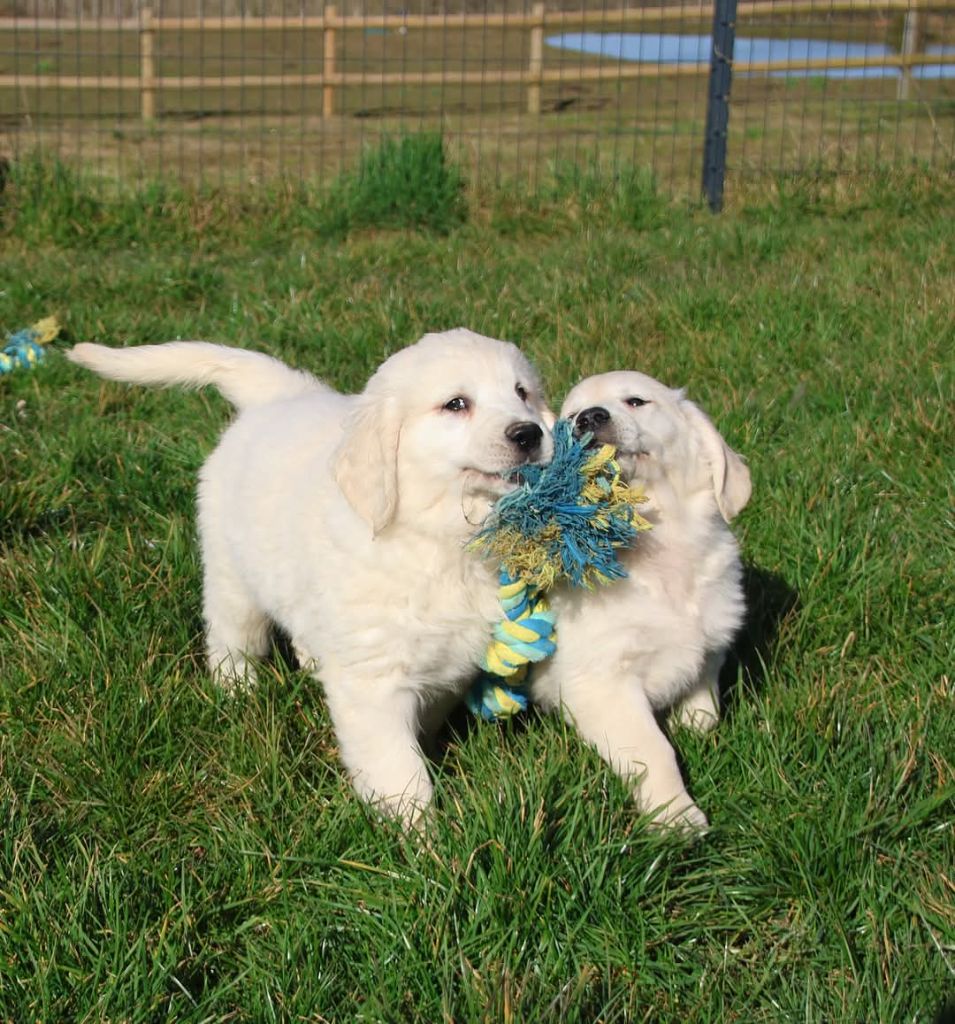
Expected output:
(25, 348)
(566, 521)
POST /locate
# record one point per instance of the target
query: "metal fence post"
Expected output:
(718, 105)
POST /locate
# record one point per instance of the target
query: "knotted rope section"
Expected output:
(524, 635)
(24, 349)
(565, 521)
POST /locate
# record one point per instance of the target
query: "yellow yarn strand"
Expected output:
(46, 330)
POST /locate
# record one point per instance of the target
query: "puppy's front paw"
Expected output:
(699, 710)
(680, 815)
(697, 717)
(233, 675)
(410, 810)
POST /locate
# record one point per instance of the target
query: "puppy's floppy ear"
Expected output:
(366, 464)
(731, 482)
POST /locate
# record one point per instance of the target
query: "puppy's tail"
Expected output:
(245, 378)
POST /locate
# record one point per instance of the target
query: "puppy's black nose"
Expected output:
(527, 436)
(590, 420)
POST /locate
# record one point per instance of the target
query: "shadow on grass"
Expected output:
(462, 721)
(946, 1013)
(769, 600)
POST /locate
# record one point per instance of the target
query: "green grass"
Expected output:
(401, 183)
(168, 854)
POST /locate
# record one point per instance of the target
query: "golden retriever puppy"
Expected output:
(657, 639)
(344, 519)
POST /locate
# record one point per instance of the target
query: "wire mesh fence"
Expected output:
(229, 92)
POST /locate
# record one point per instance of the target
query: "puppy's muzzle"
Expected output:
(526, 438)
(593, 421)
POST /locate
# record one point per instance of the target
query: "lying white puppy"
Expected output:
(344, 518)
(658, 638)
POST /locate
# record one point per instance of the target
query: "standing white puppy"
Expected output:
(658, 638)
(344, 518)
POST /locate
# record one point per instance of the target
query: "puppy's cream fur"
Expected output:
(657, 639)
(344, 519)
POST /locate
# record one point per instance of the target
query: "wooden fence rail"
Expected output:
(532, 76)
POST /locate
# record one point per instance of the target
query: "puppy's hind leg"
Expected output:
(236, 629)
(699, 710)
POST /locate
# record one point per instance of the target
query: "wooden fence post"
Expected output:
(911, 44)
(536, 62)
(147, 65)
(328, 65)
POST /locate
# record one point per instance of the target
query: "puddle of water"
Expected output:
(664, 48)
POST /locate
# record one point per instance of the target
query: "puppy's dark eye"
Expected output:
(457, 404)
(521, 392)
(635, 402)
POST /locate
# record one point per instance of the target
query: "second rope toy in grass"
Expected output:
(25, 347)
